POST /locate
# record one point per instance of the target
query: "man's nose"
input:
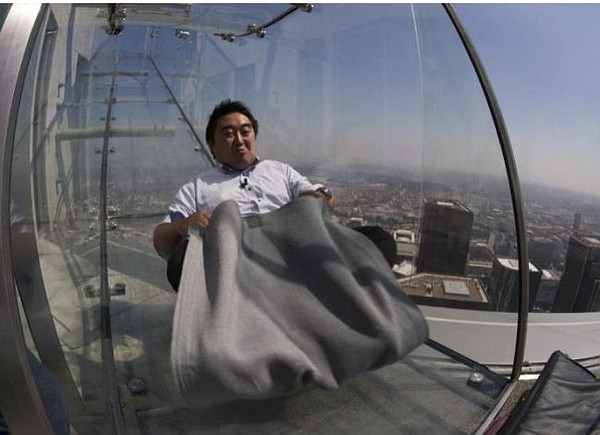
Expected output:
(238, 138)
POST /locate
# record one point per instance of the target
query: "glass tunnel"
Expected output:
(103, 120)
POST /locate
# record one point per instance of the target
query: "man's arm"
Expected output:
(168, 234)
(300, 184)
(322, 194)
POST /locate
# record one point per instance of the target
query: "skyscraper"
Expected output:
(579, 288)
(547, 290)
(445, 235)
(503, 289)
(541, 251)
(576, 222)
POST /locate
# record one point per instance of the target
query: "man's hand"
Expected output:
(322, 194)
(200, 218)
(167, 235)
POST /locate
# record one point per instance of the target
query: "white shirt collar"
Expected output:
(226, 169)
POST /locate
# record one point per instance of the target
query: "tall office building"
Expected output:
(576, 222)
(541, 251)
(503, 289)
(579, 288)
(547, 290)
(445, 235)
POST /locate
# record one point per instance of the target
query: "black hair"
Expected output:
(226, 107)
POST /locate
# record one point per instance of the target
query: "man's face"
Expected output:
(234, 142)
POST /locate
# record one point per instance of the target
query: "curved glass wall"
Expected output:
(466, 255)
(379, 102)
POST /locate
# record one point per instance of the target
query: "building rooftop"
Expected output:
(450, 203)
(513, 263)
(591, 240)
(450, 290)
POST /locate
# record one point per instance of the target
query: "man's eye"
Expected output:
(246, 131)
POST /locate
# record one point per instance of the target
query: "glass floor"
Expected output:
(431, 390)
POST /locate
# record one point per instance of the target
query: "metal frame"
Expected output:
(260, 30)
(20, 401)
(113, 405)
(205, 150)
(517, 204)
(515, 190)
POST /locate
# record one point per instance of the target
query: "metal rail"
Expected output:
(517, 205)
(20, 401)
(260, 30)
(112, 398)
(203, 147)
(515, 190)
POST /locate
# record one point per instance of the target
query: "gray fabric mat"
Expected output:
(284, 299)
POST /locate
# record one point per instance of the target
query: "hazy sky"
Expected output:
(543, 62)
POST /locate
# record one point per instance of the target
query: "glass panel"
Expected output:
(350, 96)
(552, 148)
(467, 255)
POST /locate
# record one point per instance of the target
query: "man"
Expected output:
(257, 186)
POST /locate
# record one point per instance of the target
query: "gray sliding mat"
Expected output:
(270, 303)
